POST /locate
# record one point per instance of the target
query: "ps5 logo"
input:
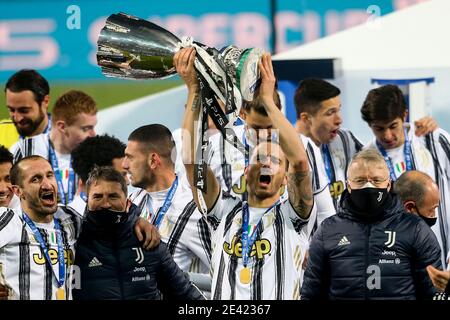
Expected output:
(140, 255)
(391, 238)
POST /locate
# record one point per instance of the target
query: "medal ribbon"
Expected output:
(327, 162)
(156, 219)
(71, 182)
(247, 242)
(406, 152)
(44, 248)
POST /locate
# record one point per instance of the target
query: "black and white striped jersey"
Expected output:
(275, 258)
(25, 268)
(431, 155)
(222, 154)
(183, 228)
(341, 149)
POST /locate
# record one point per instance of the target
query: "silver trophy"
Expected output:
(133, 48)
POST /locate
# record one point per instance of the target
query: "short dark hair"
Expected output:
(256, 103)
(98, 150)
(5, 155)
(16, 174)
(411, 186)
(27, 79)
(108, 174)
(310, 93)
(385, 103)
(155, 137)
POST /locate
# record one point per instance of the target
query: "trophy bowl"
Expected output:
(129, 47)
(134, 48)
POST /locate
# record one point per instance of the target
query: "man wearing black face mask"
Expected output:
(372, 249)
(420, 196)
(111, 261)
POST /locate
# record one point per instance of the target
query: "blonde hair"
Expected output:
(71, 104)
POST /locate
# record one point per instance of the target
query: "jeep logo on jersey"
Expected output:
(391, 238)
(39, 258)
(261, 247)
(241, 187)
(336, 189)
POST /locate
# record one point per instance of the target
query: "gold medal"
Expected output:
(245, 275)
(60, 294)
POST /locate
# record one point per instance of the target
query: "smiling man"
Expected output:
(27, 98)
(74, 118)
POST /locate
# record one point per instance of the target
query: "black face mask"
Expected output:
(369, 201)
(106, 218)
(429, 221)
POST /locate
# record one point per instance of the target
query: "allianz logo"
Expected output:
(389, 261)
(136, 279)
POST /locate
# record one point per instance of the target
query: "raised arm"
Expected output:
(184, 64)
(299, 176)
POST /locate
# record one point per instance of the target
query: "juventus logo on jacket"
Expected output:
(140, 255)
(391, 238)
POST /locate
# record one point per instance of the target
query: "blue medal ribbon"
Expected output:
(165, 207)
(246, 163)
(247, 242)
(37, 235)
(247, 147)
(327, 162)
(71, 183)
(406, 152)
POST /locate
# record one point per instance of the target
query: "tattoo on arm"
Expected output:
(300, 192)
(197, 101)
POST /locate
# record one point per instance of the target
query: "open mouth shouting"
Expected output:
(265, 180)
(48, 198)
(265, 177)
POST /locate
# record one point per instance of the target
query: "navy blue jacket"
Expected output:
(113, 265)
(352, 258)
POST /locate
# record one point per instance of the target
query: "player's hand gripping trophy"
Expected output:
(133, 48)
